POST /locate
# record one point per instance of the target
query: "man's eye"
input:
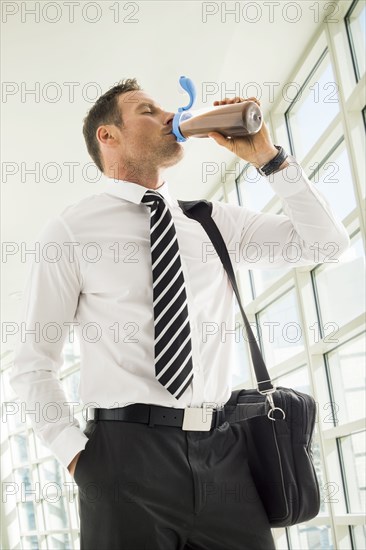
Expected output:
(147, 112)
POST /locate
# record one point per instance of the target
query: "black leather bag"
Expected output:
(278, 422)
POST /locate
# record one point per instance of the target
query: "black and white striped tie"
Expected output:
(172, 333)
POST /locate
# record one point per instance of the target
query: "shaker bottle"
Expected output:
(232, 120)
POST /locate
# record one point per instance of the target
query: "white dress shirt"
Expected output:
(101, 283)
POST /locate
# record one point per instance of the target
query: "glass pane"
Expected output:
(255, 191)
(27, 516)
(55, 513)
(347, 376)
(281, 541)
(353, 449)
(19, 448)
(60, 540)
(263, 278)
(41, 450)
(50, 472)
(280, 329)
(30, 543)
(339, 307)
(334, 180)
(297, 379)
(311, 537)
(22, 477)
(72, 498)
(311, 114)
(359, 536)
(356, 23)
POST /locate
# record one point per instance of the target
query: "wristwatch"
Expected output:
(274, 164)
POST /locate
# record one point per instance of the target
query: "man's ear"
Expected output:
(107, 135)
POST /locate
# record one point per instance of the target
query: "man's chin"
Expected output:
(173, 156)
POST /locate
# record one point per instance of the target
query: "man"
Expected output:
(155, 470)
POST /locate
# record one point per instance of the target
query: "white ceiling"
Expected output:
(167, 40)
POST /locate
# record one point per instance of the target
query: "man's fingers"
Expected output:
(217, 137)
(221, 140)
(229, 100)
(236, 99)
(254, 99)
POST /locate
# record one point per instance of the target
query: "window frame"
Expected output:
(352, 47)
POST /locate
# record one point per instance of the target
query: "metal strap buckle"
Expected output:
(268, 394)
(197, 419)
(260, 171)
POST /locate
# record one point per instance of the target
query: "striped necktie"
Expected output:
(172, 333)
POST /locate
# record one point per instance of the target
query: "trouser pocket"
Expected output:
(91, 433)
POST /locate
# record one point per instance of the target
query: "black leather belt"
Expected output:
(190, 418)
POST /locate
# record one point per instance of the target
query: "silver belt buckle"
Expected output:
(197, 419)
(89, 413)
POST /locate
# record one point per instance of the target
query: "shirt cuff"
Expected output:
(290, 180)
(67, 445)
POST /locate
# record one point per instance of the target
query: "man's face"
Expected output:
(145, 136)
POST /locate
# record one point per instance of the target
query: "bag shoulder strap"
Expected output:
(201, 211)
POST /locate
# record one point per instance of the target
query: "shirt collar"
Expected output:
(133, 192)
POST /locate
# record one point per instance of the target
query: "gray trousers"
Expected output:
(162, 488)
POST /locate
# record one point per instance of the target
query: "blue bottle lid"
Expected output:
(182, 114)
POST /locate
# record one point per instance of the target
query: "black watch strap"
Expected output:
(274, 164)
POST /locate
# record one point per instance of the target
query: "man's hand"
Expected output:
(71, 467)
(257, 149)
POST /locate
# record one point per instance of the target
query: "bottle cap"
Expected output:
(182, 114)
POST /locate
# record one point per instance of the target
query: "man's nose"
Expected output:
(168, 119)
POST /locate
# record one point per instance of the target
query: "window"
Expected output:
(254, 192)
(297, 379)
(313, 109)
(254, 189)
(352, 449)
(333, 178)
(346, 367)
(263, 278)
(45, 508)
(333, 280)
(358, 536)
(356, 30)
(312, 335)
(280, 329)
(311, 537)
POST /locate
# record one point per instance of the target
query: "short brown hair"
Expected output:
(105, 111)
